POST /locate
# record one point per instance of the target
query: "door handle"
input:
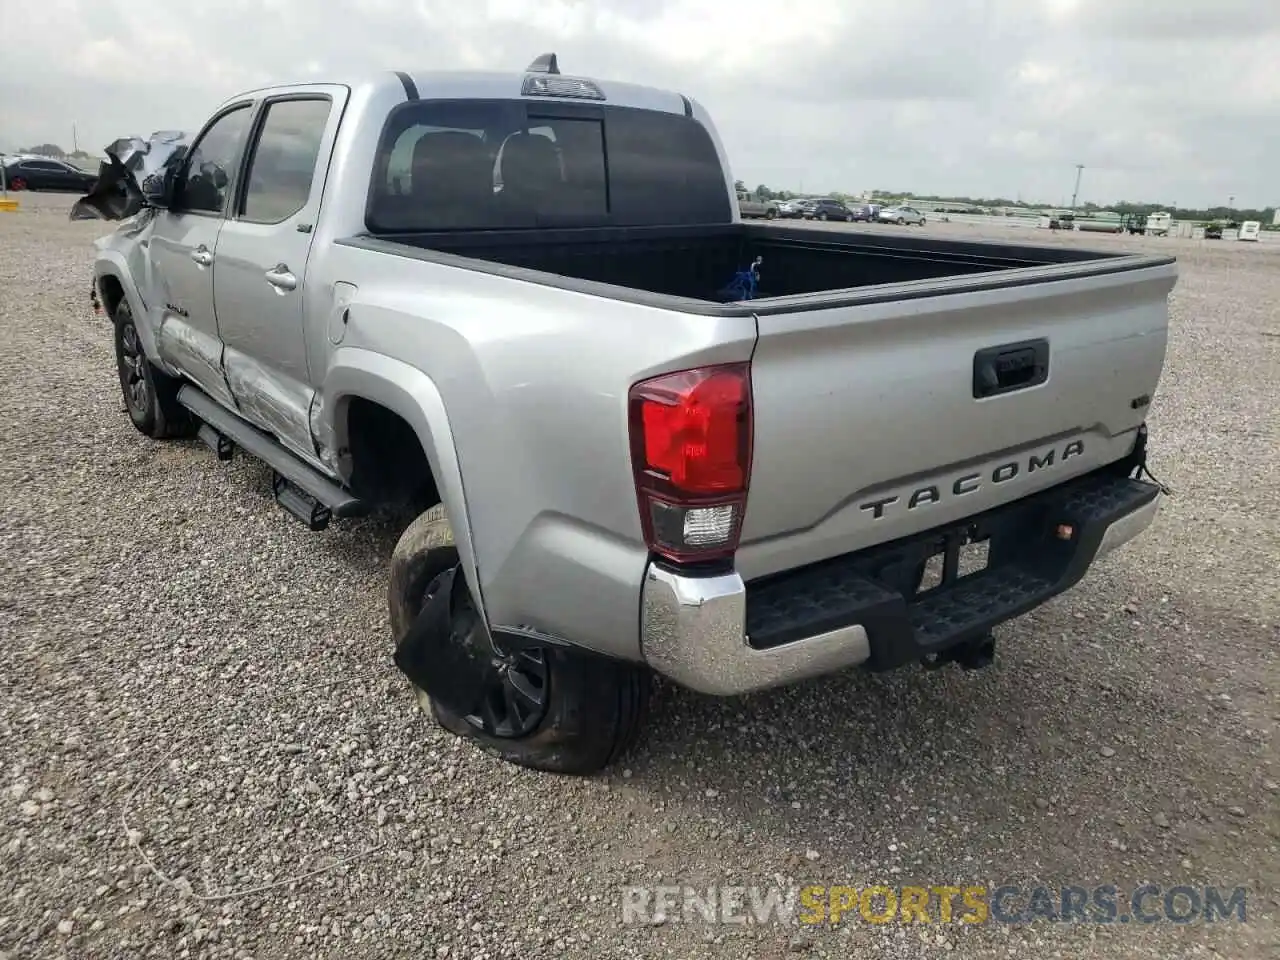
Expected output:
(282, 278)
(202, 256)
(1010, 367)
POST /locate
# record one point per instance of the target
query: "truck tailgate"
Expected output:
(919, 405)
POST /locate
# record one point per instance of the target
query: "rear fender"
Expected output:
(409, 393)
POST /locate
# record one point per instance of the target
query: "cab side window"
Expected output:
(284, 159)
(209, 165)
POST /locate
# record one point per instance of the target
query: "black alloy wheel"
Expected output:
(517, 687)
(131, 363)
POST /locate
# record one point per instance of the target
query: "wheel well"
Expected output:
(388, 465)
(112, 291)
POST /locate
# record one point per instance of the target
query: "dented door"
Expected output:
(183, 252)
(262, 259)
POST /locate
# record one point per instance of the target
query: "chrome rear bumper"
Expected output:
(694, 629)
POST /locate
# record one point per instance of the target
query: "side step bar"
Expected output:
(314, 514)
(216, 442)
(301, 489)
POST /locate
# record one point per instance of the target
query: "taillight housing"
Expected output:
(691, 455)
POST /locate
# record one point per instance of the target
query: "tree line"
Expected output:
(55, 152)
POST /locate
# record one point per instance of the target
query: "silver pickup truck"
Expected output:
(637, 434)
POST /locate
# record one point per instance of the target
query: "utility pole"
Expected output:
(75, 144)
(1076, 193)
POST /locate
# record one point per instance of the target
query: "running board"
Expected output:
(216, 442)
(313, 514)
(301, 489)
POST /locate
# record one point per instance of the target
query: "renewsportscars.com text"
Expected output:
(963, 904)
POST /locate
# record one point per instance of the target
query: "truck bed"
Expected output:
(899, 382)
(799, 264)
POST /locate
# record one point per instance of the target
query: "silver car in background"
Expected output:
(902, 216)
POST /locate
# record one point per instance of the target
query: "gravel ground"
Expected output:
(193, 685)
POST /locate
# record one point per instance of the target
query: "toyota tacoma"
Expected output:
(639, 435)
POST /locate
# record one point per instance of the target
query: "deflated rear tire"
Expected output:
(150, 394)
(553, 709)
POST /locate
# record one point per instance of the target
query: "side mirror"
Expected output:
(160, 189)
(157, 190)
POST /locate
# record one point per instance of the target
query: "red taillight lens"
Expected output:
(691, 454)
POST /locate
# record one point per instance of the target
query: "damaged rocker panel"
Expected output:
(195, 353)
(273, 402)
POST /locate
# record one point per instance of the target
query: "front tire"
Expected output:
(555, 709)
(150, 394)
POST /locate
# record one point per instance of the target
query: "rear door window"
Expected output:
(283, 164)
(475, 164)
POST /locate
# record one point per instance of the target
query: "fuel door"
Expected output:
(343, 294)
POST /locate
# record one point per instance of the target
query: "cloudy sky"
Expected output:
(1161, 100)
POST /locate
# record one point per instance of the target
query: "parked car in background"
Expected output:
(45, 173)
(749, 206)
(866, 212)
(902, 216)
(1213, 231)
(826, 208)
(793, 209)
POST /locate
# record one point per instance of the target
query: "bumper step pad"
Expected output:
(1037, 547)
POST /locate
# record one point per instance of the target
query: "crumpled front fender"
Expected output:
(135, 169)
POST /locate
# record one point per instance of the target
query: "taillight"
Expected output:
(691, 455)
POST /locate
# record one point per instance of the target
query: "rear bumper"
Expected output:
(694, 631)
(721, 636)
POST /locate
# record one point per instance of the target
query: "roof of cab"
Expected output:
(481, 85)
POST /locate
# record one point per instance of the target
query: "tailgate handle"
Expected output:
(1010, 367)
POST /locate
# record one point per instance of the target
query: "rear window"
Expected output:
(502, 164)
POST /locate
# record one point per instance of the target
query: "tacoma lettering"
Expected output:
(924, 495)
(972, 482)
(877, 506)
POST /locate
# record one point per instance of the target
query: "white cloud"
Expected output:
(1161, 101)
